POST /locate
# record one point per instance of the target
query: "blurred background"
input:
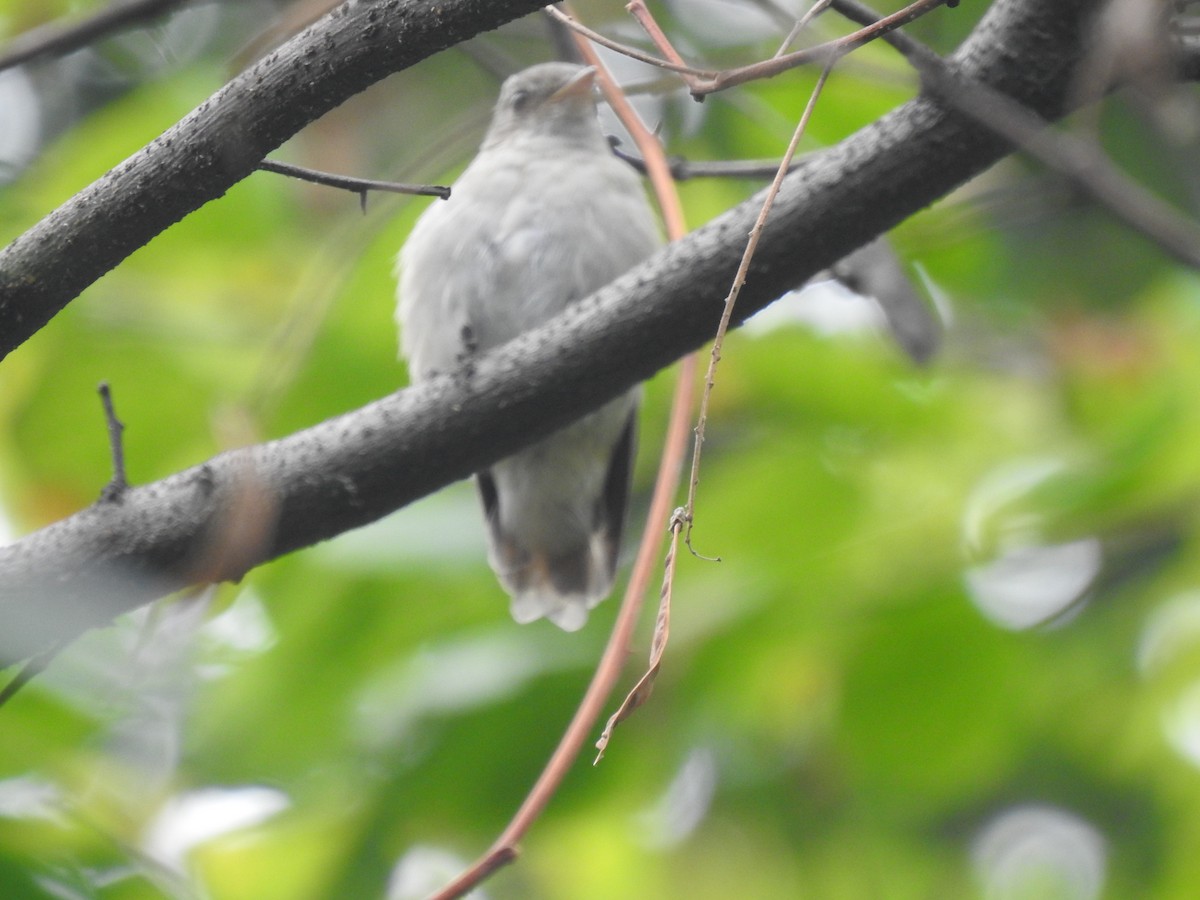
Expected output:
(952, 648)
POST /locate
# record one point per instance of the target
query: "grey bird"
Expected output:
(543, 216)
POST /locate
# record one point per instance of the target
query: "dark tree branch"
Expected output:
(221, 142)
(62, 37)
(356, 468)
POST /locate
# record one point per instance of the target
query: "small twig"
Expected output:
(114, 490)
(734, 290)
(828, 52)
(358, 186)
(658, 37)
(863, 15)
(624, 49)
(813, 11)
(685, 170)
(703, 84)
(57, 38)
(33, 667)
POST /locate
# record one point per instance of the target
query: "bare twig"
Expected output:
(358, 186)
(116, 487)
(57, 38)
(638, 10)
(608, 670)
(624, 49)
(827, 52)
(701, 85)
(863, 15)
(685, 170)
(813, 11)
(702, 82)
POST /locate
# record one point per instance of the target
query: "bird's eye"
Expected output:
(521, 99)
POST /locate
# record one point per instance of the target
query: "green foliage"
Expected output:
(846, 709)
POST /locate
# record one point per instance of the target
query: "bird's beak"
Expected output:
(578, 87)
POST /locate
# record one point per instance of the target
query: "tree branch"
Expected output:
(57, 38)
(221, 142)
(358, 467)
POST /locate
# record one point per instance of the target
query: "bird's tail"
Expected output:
(559, 572)
(562, 588)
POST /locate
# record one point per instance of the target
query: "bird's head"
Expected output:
(548, 100)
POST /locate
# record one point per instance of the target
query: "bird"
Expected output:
(543, 216)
